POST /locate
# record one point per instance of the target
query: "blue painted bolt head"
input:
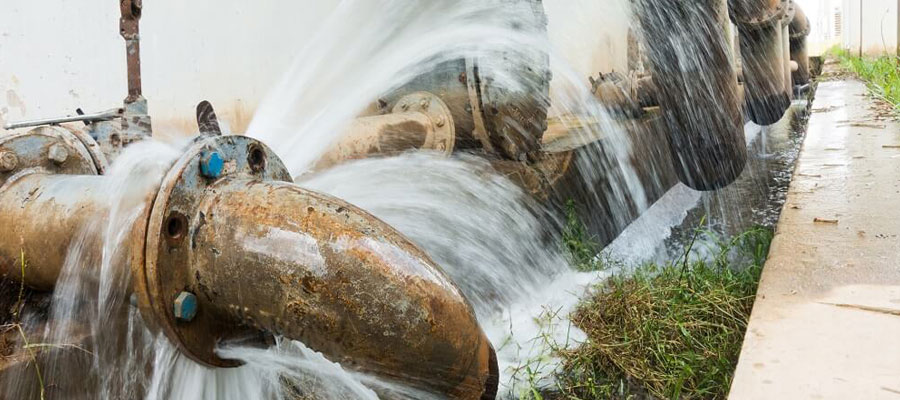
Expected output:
(185, 306)
(211, 164)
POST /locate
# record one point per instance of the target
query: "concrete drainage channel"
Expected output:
(193, 283)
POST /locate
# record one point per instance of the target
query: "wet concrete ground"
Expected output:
(826, 323)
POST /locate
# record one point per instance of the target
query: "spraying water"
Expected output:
(498, 245)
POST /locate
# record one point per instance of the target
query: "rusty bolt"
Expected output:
(58, 153)
(185, 306)
(8, 161)
(424, 104)
(441, 121)
(404, 106)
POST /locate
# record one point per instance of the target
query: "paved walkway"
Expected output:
(826, 323)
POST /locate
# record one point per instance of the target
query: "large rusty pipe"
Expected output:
(419, 121)
(42, 216)
(261, 254)
(289, 261)
(697, 89)
(624, 96)
(799, 31)
(762, 42)
(47, 194)
(499, 102)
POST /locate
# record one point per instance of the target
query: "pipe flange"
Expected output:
(161, 264)
(50, 150)
(766, 19)
(443, 137)
(789, 12)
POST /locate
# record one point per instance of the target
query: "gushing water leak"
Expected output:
(498, 245)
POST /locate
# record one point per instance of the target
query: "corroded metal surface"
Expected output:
(625, 96)
(42, 207)
(503, 118)
(264, 255)
(129, 28)
(515, 116)
(694, 73)
(418, 121)
(755, 13)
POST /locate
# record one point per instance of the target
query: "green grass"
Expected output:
(882, 74)
(671, 331)
(582, 249)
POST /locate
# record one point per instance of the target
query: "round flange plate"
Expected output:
(48, 149)
(443, 138)
(162, 254)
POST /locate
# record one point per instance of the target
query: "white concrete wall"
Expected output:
(870, 25)
(58, 55)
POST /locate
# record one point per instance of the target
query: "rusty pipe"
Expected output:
(697, 89)
(42, 216)
(499, 103)
(295, 263)
(46, 196)
(625, 96)
(799, 31)
(419, 121)
(262, 255)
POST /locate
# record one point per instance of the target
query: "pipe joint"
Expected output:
(758, 14)
(418, 121)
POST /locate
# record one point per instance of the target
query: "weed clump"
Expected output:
(670, 331)
(882, 74)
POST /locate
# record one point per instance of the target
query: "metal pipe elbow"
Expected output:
(260, 255)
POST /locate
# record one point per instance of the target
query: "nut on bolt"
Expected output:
(185, 307)
(8, 161)
(58, 153)
(211, 164)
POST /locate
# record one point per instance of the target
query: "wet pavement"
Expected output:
(826, 323)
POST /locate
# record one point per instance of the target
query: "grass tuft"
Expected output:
(670, 331)
(882, 74)
(582, 249)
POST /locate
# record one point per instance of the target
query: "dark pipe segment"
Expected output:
(697, 89)
(799, 31)
(762, 44)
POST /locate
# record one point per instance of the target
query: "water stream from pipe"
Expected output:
(499, 246)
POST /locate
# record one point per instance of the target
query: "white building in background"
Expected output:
(825, 19)
(871, 26)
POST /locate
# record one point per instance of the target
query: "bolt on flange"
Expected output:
(185, 307)
(8, 161)
(58, 153)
